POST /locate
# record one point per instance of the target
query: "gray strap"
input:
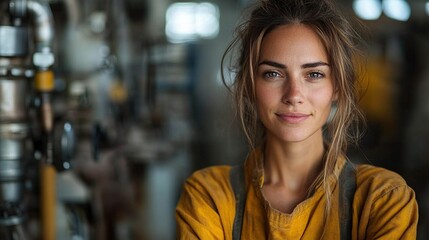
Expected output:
(239, 188)
(347, 185)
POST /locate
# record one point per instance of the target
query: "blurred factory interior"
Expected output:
(106, 106)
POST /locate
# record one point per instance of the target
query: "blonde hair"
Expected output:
(340, 41)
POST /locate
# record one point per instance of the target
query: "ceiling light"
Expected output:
(397, 9)
(188, 21)
(367, 9)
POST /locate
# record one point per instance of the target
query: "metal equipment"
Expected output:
(15, 77)
(27, 28)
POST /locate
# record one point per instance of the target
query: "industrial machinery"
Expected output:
(83, 99)
(27, 118)
(36, 142)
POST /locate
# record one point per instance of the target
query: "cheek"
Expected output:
(265, 97)
(323, 98)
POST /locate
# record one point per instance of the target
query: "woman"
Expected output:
(295, 63)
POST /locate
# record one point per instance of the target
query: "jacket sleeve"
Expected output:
(204, 208)
(394, 215)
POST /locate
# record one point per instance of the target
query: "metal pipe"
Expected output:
(73, 13)
(43, 25)
(41, 17)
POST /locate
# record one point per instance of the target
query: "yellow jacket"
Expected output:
(384, 207)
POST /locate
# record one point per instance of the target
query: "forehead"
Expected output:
(293, 41)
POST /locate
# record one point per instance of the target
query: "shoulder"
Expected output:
(209, 181)
(374, 183)
(206, 205)
(378, 177)
(385, 205)
(208, 189)
(210, 175)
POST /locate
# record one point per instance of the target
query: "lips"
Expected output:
(293, 118)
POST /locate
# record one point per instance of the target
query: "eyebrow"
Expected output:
(306, 65)
(314, 64)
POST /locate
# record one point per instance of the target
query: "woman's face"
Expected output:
(294, 87)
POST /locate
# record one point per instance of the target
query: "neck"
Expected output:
(293, 165)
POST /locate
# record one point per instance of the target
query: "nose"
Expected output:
(292, 92)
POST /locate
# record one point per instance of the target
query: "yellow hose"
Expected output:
(48, 200)
(44, 83)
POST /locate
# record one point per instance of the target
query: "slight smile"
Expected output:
(293, 118)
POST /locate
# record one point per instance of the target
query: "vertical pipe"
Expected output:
(43, 59)
(48, 203)
(44, 84)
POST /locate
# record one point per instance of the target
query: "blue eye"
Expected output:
(270, 75)
(316, 75)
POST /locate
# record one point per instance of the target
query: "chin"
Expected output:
(297, 137)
